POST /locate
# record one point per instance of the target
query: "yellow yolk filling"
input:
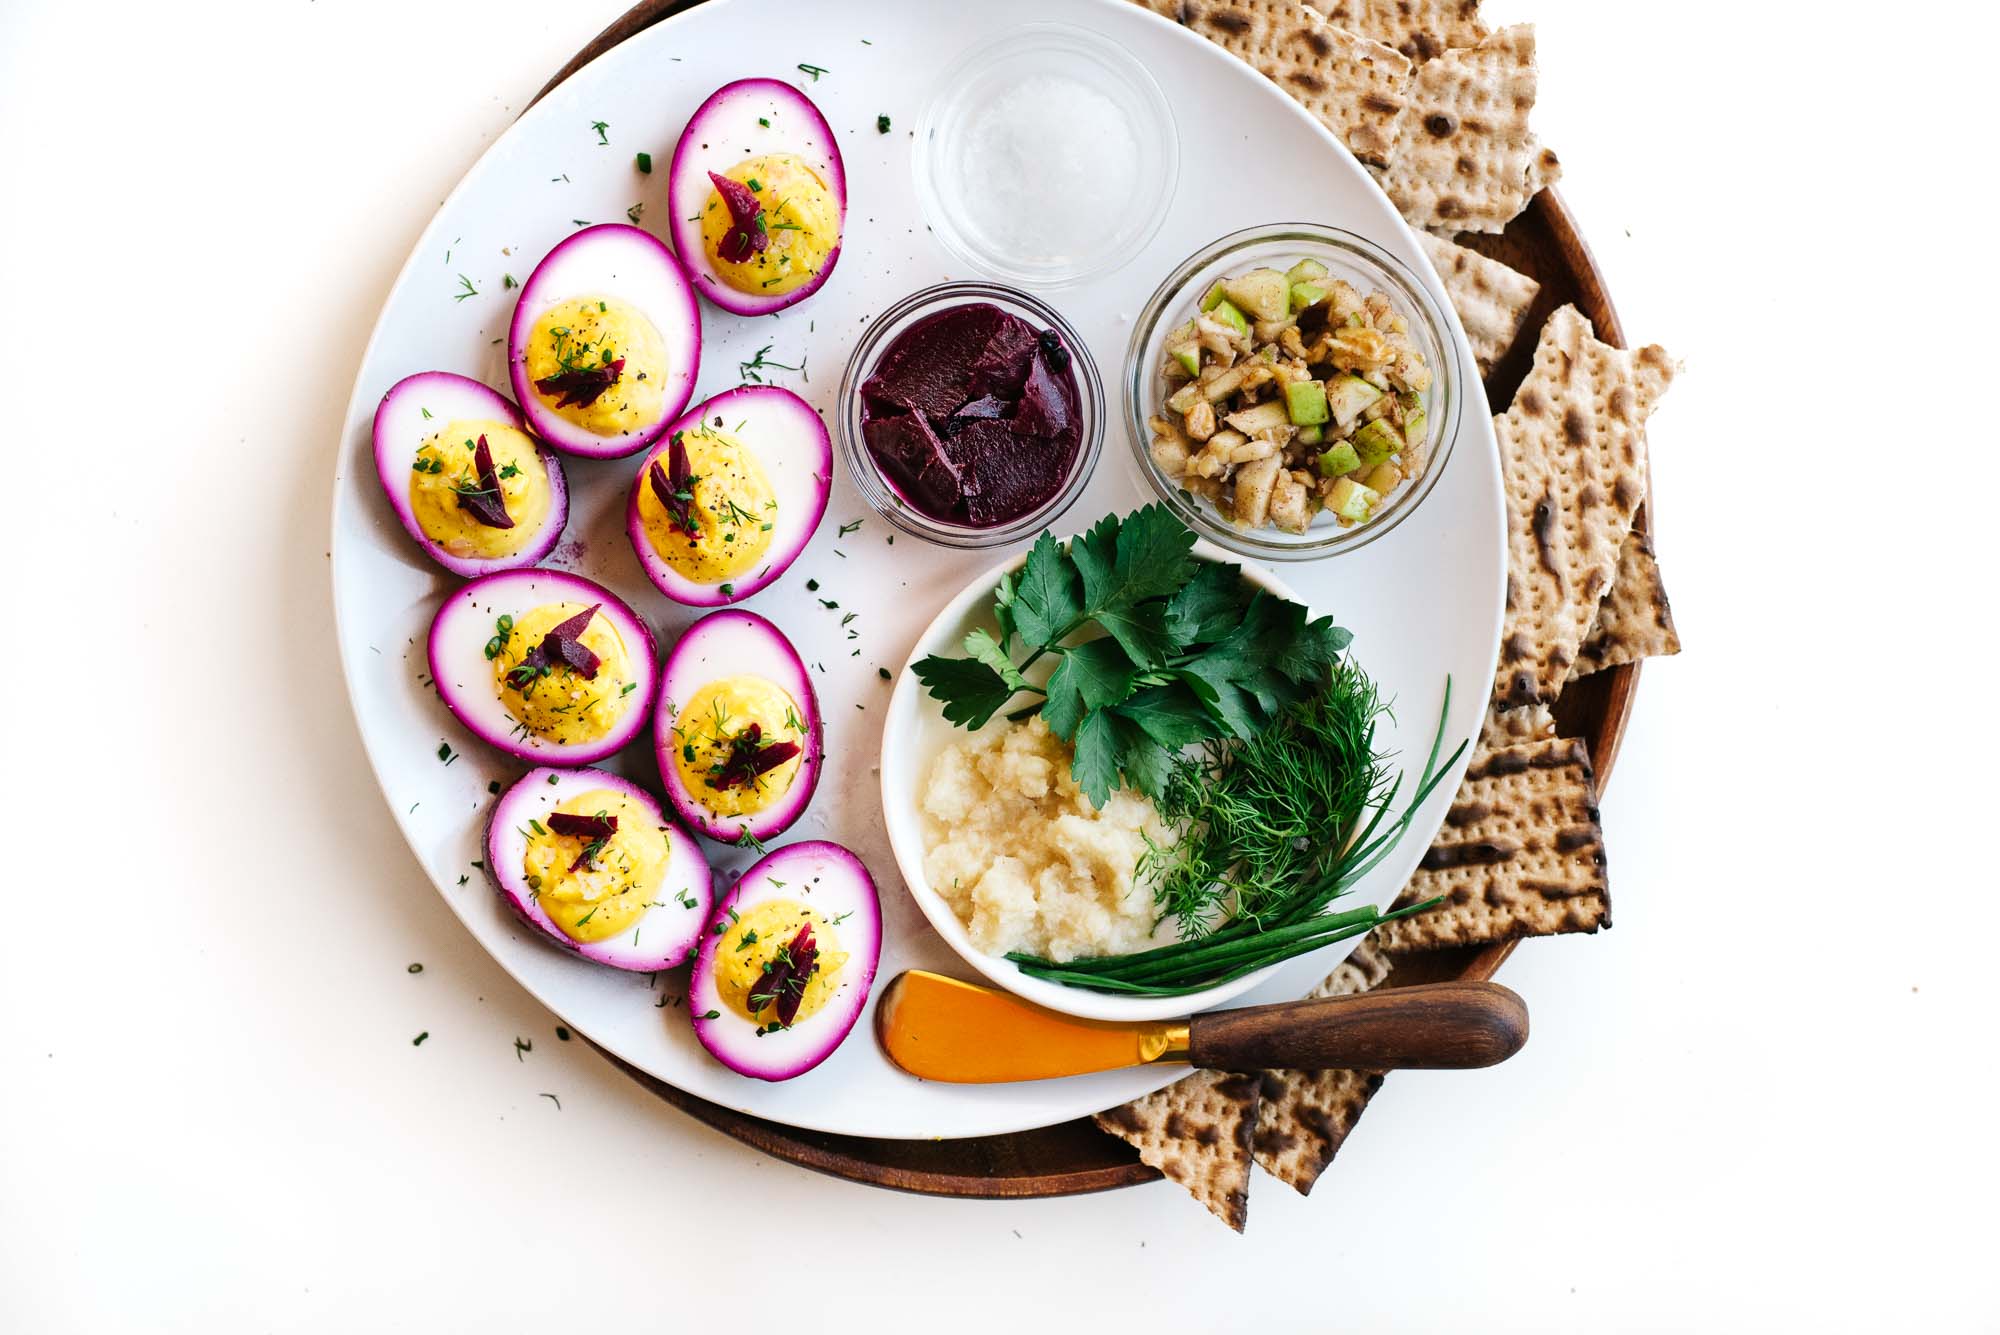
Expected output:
(721, 711)
(591, 332)
(735, 512)
(616, 886)
(755, 940)
(801, 216)
(444, 469)
(561, 705)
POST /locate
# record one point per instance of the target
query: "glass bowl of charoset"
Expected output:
(1366, 267)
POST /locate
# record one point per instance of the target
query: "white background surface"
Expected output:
(1764, 1100)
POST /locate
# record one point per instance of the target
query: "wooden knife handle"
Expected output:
(1433, 1026)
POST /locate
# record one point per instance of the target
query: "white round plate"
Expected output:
(1423, 602)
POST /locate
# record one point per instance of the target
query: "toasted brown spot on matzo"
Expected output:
(1533, 865)
(1197, 1132)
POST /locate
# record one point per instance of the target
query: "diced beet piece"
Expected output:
(746, 235)
(1003, 364)
(988, 406)
(929, 368)
(1007, 475)
(1045, 406)
(914, 458)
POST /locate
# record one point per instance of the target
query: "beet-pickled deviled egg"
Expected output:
(588, 859)
(475, 490)
(758, 197)
(786, 963)
(727, 501)
(605, 343)
(544, 665)
(737, 729)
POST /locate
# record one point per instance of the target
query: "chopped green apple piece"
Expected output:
(1264, 293)
(1260, 417)
(1186, 397)
(1225, 312)
(1307, 294)
(1215, 297)
(1347, 395)
(1413, 428)
(1306, 271)
(1375, 442)
(1352, 501)
(1383, 478)
(1188, 355)
(1338, 460)
(1311, 435)
(1305, 400)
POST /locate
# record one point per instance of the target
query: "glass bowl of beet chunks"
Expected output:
(971, 415)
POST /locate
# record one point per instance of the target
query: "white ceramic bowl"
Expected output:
(912, 738)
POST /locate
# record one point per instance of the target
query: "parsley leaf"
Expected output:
(1208, 604)
(1125, 563)
(981, 645)
(1088, 678)
(1045, 605)
(1095, 768)
(971, 692)
(1171, 714)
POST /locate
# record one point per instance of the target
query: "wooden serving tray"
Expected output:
(1075, 1157)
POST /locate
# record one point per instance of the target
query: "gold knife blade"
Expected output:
(939, 1028)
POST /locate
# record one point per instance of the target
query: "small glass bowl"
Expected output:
(883, 496)
(1365, 266)
(998, 69)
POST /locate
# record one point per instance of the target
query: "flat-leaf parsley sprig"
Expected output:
(1185, 651)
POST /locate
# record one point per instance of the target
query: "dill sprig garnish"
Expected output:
(1268, 811)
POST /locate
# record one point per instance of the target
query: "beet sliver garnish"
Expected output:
(675, 488)
(582, 827)
(749, 758)
(560, 645)
(584, 386)
(744, 238)
(595, 830)
(804, 953)
(486, 504)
